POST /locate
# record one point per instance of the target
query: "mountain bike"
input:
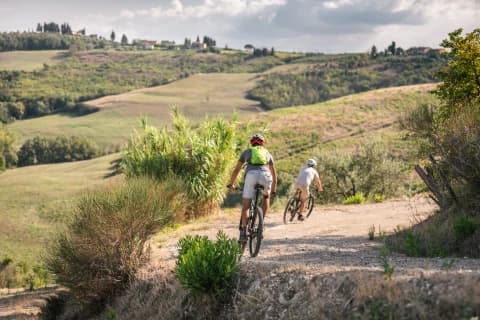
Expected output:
(254, 224)
(293, 206)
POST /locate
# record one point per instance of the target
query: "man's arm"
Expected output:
(234, 175)
(274, 178)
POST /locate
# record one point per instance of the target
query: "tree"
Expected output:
(249, 47)
(112, 36)
(39, 27)
(264, 52)
(124, 40)
(392, 48)
(272, 52)
(461, 79)
(187, 44)
(373, 52)
(399, 51)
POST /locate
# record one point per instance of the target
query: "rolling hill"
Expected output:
(37, 206)
(30, 60)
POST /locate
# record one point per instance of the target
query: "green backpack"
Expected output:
(259, 156)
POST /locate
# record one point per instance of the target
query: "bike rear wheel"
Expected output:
(290, 211)
(256, 232)
(310, 204)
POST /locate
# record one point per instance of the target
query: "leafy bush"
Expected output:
(371, 170)
(53, 150)
(201, 158)
(208, 267)
(464, 227)
(8, 156)
(107, 240)
(412, 244)
(378, 198)
(17, 274)
(355, 199)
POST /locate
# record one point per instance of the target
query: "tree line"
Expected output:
(41, 150)
(10, 41)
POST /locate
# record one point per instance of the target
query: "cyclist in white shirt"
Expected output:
(305, 177)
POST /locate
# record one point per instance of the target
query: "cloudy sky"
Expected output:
(293, 25)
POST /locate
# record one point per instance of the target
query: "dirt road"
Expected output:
(333, 238)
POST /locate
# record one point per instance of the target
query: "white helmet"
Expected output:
(311, 163)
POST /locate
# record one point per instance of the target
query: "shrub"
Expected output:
(412, 244)
(208, 267)
(464, 227)
(107, 240)
(201, 158)
(371, 170)
(53, 150)
(355, 199)
(8, 155)
(371, 232)
(378, 198)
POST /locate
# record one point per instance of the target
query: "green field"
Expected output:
(35, 201)
(197, 96)
(30, 60)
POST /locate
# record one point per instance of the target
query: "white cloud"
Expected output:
(207, 8)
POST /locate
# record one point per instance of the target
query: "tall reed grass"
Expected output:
(201, 158)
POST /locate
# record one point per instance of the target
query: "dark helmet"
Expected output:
(257, 140)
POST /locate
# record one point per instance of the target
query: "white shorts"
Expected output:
(252, 178)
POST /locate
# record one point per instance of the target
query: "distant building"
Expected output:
(199, 45)
(93, 36)
(144, 44)
(413, 51)
(167, 43)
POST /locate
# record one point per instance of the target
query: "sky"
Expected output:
(329, 26)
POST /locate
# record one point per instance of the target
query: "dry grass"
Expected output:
(30, 60)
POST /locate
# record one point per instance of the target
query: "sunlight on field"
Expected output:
(35, 200)
(30, 60)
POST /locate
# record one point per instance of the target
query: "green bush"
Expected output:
(358, 198)
(8, 156)
(201, 158)
(412, 244)
(378, 198)
(371, 170)
(464, 227)
(107, 240)
(40, 150)
(208, 267)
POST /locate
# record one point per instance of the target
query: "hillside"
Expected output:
(36, 201)
(196, 96)
(294, 134)
(30, 60)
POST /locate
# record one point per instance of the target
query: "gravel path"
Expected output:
(334, 238)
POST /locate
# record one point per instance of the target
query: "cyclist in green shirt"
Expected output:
(260, 169)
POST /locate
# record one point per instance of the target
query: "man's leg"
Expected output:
(245, 206)
(265, 205)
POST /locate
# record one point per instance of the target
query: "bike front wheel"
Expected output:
(256, 232)
(310, 204)
(290, 211)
